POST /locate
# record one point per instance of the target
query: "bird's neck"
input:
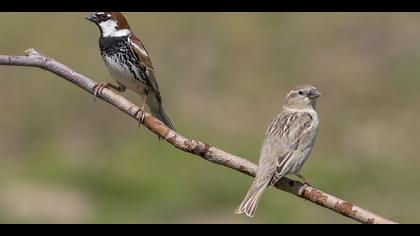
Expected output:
(308, 109)
(110, 28)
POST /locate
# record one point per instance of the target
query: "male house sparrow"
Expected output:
(287, 144)
(128, 62)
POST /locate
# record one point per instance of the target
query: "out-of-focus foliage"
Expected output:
(223, 76)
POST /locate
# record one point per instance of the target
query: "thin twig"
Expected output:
(207, 152)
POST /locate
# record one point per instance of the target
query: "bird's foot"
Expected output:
(140, 116)
(305, 182)
(98, 89)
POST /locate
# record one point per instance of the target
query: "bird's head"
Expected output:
(302, 97)
(111, 24)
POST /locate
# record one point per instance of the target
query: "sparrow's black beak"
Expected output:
(314, 93)
(92, 17)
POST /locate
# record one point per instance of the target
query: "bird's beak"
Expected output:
(314, 94)
(92, 17)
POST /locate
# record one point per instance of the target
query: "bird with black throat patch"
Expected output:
(288, 141)
(128, 62)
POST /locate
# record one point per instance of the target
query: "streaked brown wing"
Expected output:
(287, 141)
(144, 59)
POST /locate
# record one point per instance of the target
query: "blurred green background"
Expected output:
(223, 77)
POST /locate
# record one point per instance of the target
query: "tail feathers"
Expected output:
(161, 115)
(157, 110)
(250, 202)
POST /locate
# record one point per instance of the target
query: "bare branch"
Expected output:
(207, 152)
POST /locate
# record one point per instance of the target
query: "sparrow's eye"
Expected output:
(300, 92)
(102, 16)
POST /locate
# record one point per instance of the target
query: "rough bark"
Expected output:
(206, 151)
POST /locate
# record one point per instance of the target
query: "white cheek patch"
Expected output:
(109, 29)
